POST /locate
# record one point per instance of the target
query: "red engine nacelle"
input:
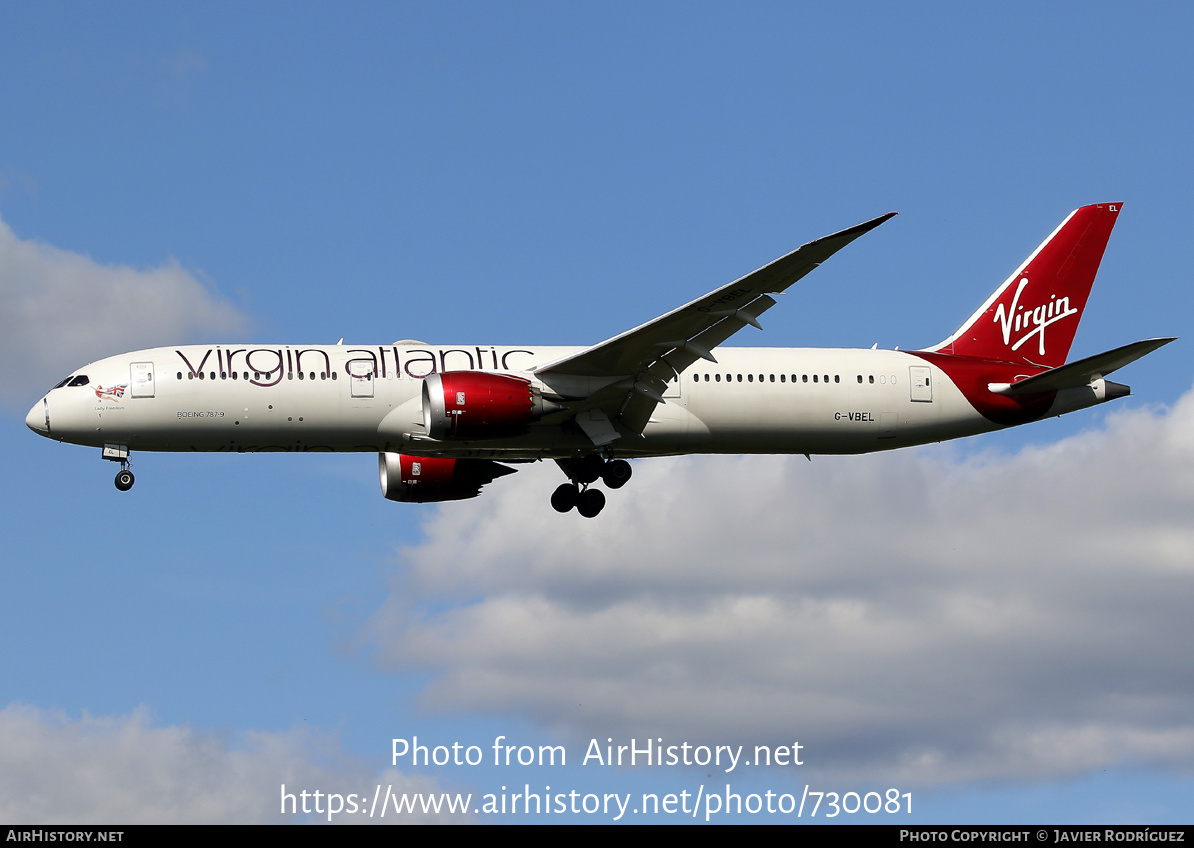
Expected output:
(424, 479)
(463, 405)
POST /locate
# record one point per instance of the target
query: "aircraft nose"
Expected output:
(38, 419)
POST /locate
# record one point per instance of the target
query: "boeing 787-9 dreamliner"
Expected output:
(446, 420)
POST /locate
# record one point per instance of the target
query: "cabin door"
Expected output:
(141, 379)
(360, 376)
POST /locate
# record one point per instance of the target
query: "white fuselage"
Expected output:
(342, 398)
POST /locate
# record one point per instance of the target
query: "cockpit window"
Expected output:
(79, 380)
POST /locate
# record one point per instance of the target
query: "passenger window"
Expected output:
(180, 375)
(814, 378)
(717, 378)
(739, 378)
(804, 378)
(750, 378)
(871, 378)
(213, 375)
(860, 378)
(837, 378)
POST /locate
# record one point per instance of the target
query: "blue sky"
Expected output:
(551, 174)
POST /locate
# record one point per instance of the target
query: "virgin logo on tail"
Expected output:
(1018, 318)
(1051, 285)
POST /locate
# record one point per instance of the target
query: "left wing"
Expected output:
(622, 379)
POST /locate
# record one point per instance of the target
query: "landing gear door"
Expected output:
(360, 376)
(141, 379)
(922, 386)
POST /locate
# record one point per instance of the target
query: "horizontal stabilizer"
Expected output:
(1083, 372)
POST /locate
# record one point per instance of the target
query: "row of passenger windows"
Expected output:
(783, 378)
(716, 378)
(257, 375)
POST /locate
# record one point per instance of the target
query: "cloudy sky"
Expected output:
(998, 626)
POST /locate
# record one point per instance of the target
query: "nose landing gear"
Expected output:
(124, 477)
(583, 472)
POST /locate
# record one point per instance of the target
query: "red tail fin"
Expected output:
(1033, 316)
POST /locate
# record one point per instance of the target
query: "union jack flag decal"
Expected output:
(112, 392)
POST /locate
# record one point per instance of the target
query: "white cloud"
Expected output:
(123, 770)
(62, 309)
(913, 614)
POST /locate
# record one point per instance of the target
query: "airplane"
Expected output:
(446, 420)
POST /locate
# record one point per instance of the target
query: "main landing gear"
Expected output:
(588, 502)
(584, 472)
